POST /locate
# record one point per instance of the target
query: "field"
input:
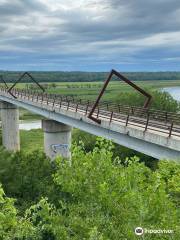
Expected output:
(90, 91)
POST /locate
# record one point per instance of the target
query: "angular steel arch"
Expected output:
(21, 77)
(2, 80)
(126, 80)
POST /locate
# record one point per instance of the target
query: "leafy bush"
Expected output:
(161, 100)
(89, 142)
(11, 226)
(101, 199)
(170, 173)
(26, 177)
(105, 199)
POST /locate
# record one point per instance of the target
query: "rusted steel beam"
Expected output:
(147, 122)
(21, 77)
(171, 129)
(2, 80)
(123, 78)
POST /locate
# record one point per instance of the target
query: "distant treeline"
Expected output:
(88, 76)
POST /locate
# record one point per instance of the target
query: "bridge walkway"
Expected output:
(163, 126)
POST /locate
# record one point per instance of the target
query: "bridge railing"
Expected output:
(148, 119)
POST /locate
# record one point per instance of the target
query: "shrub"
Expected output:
(106, 200)
(161, 100)
(26, 177)
(99, 198)
(11, 226)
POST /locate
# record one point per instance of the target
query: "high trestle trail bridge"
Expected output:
(152, 132)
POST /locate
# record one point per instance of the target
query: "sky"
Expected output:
(90, 35)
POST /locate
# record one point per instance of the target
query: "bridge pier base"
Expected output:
(10, 126)
(57, 139)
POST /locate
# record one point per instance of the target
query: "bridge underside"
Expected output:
(159, 147)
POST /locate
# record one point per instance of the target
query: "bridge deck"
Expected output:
(159, 128)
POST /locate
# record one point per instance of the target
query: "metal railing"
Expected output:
(167, 123)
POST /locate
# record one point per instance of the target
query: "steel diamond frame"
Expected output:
(21, 77)
(126, 80)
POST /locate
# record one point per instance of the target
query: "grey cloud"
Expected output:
(20, 7)
(100, 31)
(34, 5)
(141, 19)
(11, 8)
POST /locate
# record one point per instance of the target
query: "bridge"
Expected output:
(154, 133)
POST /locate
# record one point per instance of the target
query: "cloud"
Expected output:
(89, 35)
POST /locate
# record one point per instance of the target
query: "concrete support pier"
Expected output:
(10, 126)
(57, 139)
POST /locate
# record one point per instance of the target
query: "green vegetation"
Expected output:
(26, 177)
(26, 115)
(90, 90)
(89, 76)
(31, 140)
(161, 100)
(94, 197)
(106, 191)
(116, 92)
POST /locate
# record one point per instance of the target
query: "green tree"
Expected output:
(160, 100)
(13, 227)
(106, 200)
(95, 197)
(26, 177)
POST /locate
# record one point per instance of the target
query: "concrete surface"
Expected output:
(10, 126)
(152, 143)
(57, 139)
